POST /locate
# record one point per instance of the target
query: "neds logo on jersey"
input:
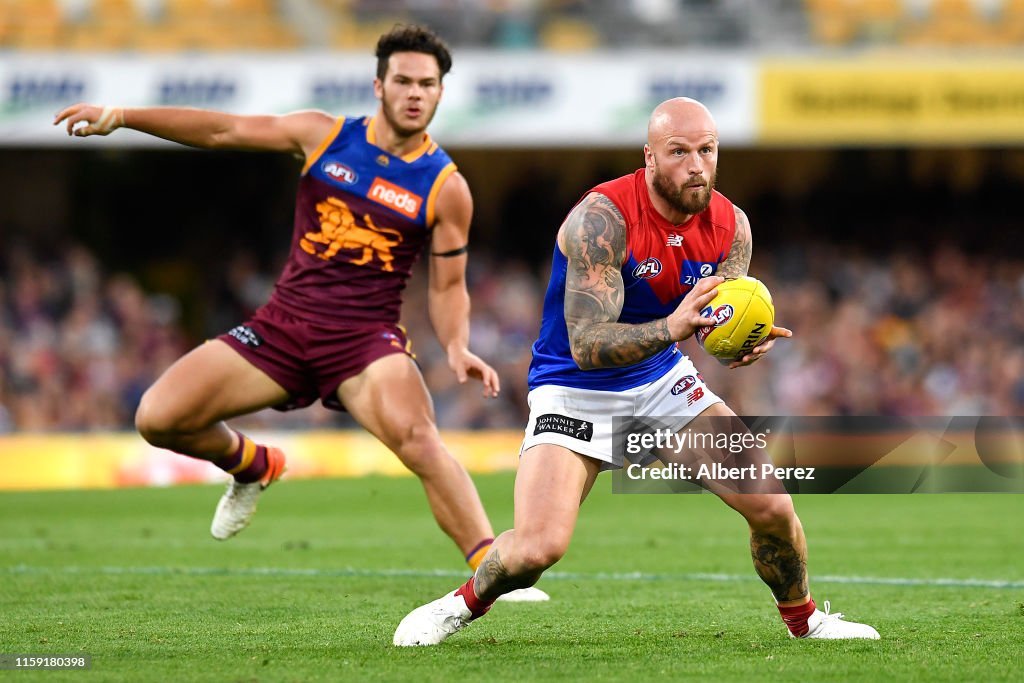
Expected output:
(647, 269)
(340, 172)
(395, 197)
(720, 315)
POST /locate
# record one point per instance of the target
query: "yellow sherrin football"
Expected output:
(743, 314)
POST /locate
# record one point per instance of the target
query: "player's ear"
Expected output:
(378, 88)
(649, 157)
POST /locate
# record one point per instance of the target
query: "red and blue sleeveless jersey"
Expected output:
(362, 218)
(664, 262)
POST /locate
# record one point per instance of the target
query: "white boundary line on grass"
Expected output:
(456, 574)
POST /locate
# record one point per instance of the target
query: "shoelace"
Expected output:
(449, 622)
(827, 615)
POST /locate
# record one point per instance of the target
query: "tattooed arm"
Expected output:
(736, 265)
(738, 261)
(593, 238)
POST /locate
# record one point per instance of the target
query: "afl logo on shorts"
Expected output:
(340, 172)
(683, 385)
(647, 269)
(392, 339)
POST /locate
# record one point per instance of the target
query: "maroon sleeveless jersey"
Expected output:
(362, 218)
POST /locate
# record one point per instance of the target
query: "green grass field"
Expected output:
(653, 587)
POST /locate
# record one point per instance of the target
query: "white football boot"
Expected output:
(832, 626)
(531, 594)
(432, 623)
(238, 504)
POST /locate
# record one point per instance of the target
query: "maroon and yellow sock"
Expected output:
(796, 617)
(476, 606)
(247, 463)
(475, 556)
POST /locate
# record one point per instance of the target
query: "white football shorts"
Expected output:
(581, 419)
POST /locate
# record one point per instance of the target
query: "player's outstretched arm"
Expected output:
(447, 296)
(298, 133)
(593, 239)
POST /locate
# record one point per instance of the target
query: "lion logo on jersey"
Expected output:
(338, 230)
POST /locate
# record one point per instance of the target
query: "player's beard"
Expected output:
(680, 198)
(390, 116)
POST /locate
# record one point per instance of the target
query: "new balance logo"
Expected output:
(395, 197)
(674, 240)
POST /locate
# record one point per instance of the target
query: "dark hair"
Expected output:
(412, 38)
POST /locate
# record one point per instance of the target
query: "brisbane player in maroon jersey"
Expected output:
(374, 191)
(635, 263)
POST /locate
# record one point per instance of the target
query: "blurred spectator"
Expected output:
(77, 346)
(212, 25)
(910, 334)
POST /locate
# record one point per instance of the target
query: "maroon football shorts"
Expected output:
(311, 360)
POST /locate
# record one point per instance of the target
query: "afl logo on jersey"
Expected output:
(339, 172)
(647, 269)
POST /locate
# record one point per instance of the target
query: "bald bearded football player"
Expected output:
(608, 347)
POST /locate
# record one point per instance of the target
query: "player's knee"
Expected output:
(536, 555)
(150, 423)
(419, 448)
(158, 422)
(772, 513)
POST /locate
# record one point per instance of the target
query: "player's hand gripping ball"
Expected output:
(743, 313)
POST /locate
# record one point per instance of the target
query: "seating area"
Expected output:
(562, 25)
(136, 25)
(920, 23)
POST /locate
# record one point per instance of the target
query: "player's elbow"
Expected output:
(232, 132)
(441, 286)
(218, 139)
(582, 355)
(583, 362)
(436, 293)
(441, 300)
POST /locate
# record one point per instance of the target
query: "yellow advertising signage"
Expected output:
(897, 102)
(65, 461)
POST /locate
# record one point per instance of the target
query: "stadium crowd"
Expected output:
(566, 25)
(915, 333)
